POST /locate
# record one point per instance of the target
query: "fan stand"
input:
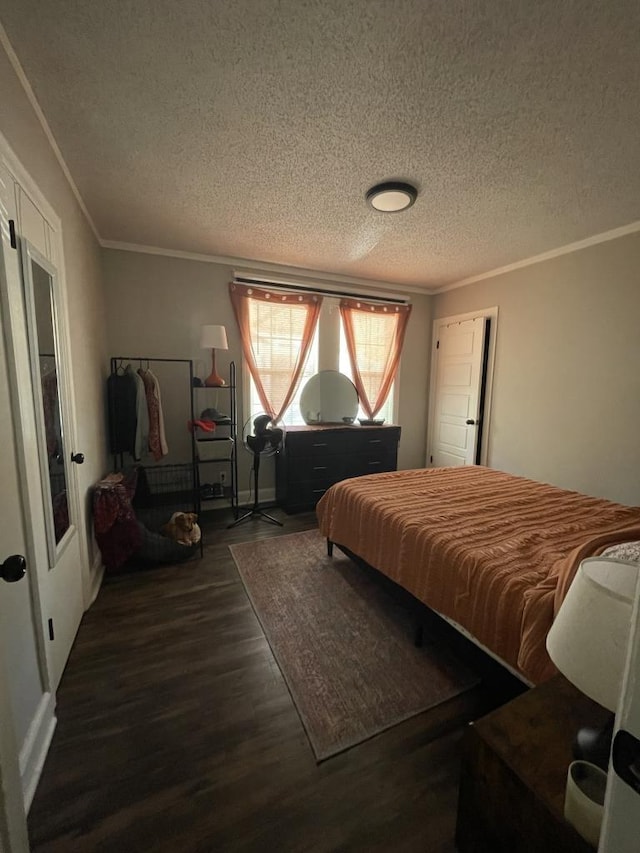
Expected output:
(255, 511)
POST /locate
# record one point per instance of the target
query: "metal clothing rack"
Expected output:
(167, 486)
(200, 392)
(117, 363)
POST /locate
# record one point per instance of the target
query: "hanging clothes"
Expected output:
(164, 447)
(157, 437)
(141, 439)
(122, 397)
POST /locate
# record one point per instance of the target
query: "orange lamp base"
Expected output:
(214, 380)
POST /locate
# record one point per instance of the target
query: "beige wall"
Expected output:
(23, 132)
(156, 305)
(566, 402)
(414, 382)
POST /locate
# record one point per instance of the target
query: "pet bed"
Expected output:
(154, 548)
(121, 535)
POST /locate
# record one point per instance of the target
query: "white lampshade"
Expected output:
(213, 337)
(588, 639)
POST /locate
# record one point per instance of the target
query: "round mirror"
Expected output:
(329, 397)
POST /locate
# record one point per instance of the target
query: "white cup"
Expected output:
(584, 799)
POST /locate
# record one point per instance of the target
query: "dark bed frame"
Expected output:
(429, 628)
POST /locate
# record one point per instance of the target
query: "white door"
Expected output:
(38, 355)
(458, 383)
(20, 675)
(621, 826)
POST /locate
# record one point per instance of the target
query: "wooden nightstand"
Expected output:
(514, 771)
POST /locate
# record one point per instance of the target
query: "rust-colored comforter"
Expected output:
(494, 552)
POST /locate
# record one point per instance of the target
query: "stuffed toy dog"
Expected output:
(183, 527)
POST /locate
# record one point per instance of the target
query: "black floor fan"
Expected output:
(265, 440)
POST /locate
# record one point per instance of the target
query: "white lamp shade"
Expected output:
(213, 337)
(588, 639)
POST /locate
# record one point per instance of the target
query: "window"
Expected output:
(274, 347)
(277, 332)
(368, 377)
(276, 344)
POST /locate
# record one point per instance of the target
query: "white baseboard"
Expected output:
(97, 575)
(36, 746)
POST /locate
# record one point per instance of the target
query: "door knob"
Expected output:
(13, 568)
(78, 458)
(470, 422)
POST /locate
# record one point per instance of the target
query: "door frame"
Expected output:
(20, 765)
(24, 425)
(13, 820)
(24, 415)
(492, 315)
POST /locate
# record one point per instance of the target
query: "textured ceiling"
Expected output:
(253, 128)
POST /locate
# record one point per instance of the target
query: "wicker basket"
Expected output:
(214, 448)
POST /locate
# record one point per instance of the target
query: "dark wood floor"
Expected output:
(176, 732)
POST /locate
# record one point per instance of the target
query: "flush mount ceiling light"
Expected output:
(392, 196)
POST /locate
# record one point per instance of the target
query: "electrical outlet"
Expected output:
(223, 477)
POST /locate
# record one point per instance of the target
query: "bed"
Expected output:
(491, 552)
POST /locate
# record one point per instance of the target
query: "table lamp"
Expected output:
(588, 642)
(216, 338)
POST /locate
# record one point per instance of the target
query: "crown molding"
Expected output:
(24, 82)
(604, 237)
(240, 265)
(319, 276)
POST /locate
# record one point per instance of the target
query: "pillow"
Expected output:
(627, 551)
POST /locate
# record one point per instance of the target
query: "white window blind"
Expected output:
(372, 334)
(276, 345)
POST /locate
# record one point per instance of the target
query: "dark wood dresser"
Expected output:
(316, 457)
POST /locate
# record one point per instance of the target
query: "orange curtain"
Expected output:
(375, 335)
(276, 330)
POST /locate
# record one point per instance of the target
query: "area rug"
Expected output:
(342, 643)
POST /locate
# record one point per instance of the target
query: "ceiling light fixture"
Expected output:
(392, 196)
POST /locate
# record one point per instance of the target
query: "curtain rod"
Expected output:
(257, 282)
